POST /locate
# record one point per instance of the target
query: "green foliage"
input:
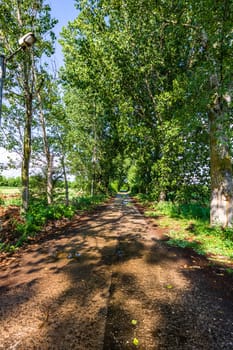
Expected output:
(11, 181)
(114, 186)
(38, 186)
(182, 243)
(86, 203)
(189, 227)
(137, 96)
(184, 211)
(40, 213)
(21, 113)
(7, 247)
(122, 70)
(147, 66)
(229, 271)
(204, 240)
(191, 193)
(12, 201)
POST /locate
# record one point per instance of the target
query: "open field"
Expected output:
(5, 190)
(10, 196)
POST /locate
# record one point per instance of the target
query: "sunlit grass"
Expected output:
(188, 226)
(10, 196)
(9, 190)
(12, 202)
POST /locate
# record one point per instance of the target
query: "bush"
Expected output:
(84, 203)
(192, 193)
(186, 211)
(38, 185)
(37, 216)
(39, 213)
(10, 182)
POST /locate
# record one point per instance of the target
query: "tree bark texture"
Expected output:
(65, 180)
(221, 206)
(28, 85)
(26, 153)
(49, 178)
(48, 154)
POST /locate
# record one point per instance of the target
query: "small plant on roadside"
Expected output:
(37, 216)
(8, 248)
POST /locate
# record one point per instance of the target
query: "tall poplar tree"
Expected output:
(165, 70)
(17, 18)
(209, 75)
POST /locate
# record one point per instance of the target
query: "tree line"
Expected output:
(144, 99)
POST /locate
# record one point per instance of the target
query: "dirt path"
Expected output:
(107, 281)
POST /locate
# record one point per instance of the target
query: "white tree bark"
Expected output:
(221, 206)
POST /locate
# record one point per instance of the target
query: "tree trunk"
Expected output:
(48, 154)
(65, 180)
(26, 154)
(162, 196)
(221, 206)
(49, 178)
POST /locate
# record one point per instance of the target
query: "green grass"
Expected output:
(188, 226)
(87, 202)
(39, 213)
(10, 196)
(203, 239)
(12, 201)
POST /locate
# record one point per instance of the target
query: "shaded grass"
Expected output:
(184, 211)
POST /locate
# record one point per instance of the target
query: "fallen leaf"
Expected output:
(169, 286)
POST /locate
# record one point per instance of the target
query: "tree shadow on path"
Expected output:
(122, 272)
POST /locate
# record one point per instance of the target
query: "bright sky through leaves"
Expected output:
(63, 11)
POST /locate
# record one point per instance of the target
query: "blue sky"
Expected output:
(64, 11)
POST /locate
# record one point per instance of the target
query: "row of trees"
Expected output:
(150, 83)
(32, 122)
(146, 97)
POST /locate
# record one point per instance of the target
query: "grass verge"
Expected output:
(188, 226)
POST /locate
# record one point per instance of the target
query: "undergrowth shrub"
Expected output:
(39, 213)
(186, 211)
(85, 203)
